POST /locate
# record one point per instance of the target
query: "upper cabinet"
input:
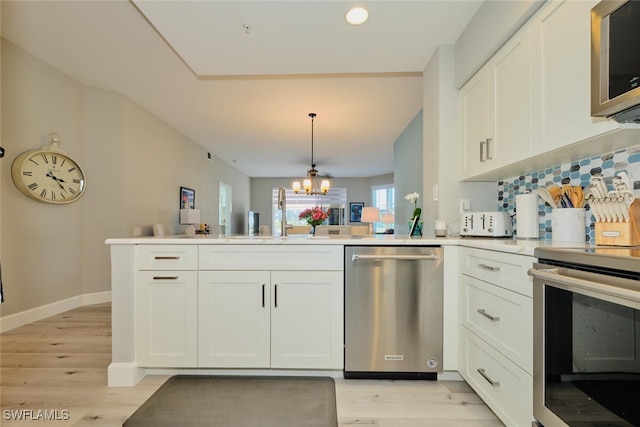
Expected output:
(496, 109)
(529, 106)
(561, 46)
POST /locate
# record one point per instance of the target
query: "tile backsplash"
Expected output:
(574, 173)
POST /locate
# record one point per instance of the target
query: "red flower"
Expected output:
(314, 216)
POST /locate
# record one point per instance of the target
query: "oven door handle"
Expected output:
(553, 275)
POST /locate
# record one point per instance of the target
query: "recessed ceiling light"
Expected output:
(357, 16)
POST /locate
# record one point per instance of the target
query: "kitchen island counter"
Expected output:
(170, 296)
(511, 245)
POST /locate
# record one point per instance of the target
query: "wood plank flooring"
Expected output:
(59, 365)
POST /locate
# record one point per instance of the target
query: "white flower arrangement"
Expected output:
(413, 197)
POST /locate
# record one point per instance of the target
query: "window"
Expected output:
(382, 197)
(335, 202)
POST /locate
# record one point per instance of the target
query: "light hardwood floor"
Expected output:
(60, 364)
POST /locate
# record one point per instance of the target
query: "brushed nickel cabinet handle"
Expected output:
(482, 145)
(489, 267)
(487, 315)
(165, 277)
(489, 157)
(166, 257)
(486, 377)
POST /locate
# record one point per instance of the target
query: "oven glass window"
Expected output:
(624, 49)
(592, 360)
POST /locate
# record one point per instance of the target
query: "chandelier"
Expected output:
(309, 184)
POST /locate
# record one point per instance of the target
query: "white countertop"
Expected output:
(518, 246)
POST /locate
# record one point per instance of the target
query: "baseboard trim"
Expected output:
(16, 320)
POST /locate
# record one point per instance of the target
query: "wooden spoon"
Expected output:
(556, 193)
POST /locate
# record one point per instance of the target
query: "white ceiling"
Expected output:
(246, 96)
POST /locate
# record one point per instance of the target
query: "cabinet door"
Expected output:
(307, 320)
(474, 106)
(561, 76)
(510, 92)
(234, 319)
(496, 110)
(166, 324)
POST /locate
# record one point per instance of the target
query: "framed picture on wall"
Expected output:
(187, 198)
(355, 211)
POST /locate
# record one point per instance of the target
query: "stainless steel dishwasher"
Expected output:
(393, 312)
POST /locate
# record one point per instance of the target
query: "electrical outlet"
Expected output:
(465, 205)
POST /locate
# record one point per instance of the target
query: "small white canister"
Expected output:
(441, 228)
(527, 220)
(568, 225)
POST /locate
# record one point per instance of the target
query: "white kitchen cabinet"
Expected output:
(502, 385)
(278, 319)
(561, 73)
(496, 331)
(166, 306)
(306, 320)
(496, 110)
(474, 101)
(300, 326)
(234, 319)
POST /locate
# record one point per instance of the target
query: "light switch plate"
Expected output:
(435, 192)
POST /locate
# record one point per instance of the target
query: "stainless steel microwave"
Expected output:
(615, 60)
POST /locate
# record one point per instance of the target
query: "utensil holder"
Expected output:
(568, 225)
(620, 233)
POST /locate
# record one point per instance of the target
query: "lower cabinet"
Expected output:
(505, 387)
(307, 320)
(277, 319)
(167, 323)
(234, 312)
(194, 307)
(496, 331)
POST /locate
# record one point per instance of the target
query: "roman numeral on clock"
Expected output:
(32, 186)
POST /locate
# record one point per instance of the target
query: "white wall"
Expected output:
(135, 164)
(409, 168)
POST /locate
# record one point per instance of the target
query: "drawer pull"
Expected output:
(165, 277)
(166, 257)
(486, 377)
(488, 316)
(489, 267)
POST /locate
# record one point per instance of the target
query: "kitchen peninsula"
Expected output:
(188, 304)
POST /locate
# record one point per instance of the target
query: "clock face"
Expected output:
(48, 176)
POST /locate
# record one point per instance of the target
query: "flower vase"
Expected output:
(418, 230)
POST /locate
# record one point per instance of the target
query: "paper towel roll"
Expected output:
(527, 216)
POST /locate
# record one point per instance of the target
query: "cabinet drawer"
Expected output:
(502, 318)
(272, 257)
(502, 269)
(167, 257)
(511, 394)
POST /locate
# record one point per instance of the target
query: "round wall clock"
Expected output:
(48, 175)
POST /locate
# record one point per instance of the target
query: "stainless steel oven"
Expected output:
(586, 337)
